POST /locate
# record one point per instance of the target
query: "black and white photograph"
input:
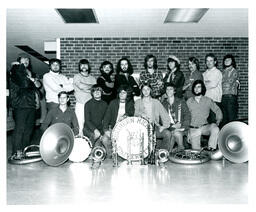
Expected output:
(123, 106)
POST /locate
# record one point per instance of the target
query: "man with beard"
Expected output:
(55, 82)
(124, 76)
(152, 76)
(199, 107)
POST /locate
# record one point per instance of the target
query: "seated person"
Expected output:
(153, 110)
(199, 107)
(94, 111)
(61, 114)
(179, 114)
(118, 109)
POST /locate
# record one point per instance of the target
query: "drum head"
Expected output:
(129, 135)
(80, 151)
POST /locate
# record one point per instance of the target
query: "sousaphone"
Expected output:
(233, 141)
(56, 144)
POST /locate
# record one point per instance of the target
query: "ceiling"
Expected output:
(32, 27)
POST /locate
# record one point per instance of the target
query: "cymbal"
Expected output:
(56, 144)
(233, 141)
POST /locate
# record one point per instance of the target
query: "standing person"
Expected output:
(61, 114)
(152, 76)
(124, 76)
(179, 114)
(195, 74)
(82, 82)
(199, 107)
(24, 96)
(106, 81)
(118, 109)
(230, 83)
(174, 75)
(213, 82)
(94, 111)
(55, 82)
(152, 110)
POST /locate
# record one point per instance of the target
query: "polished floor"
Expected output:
(214, 182)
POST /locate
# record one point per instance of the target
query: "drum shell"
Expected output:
(81, 150)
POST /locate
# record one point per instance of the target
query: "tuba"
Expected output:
(161, 157)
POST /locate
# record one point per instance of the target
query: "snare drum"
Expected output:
(131, 134)
(81, 149)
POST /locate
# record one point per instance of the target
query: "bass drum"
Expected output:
(130, 135)
(81, 149)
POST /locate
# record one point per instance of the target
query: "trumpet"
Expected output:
(161, 157)
(98, 155)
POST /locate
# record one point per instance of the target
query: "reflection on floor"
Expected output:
(212, 182)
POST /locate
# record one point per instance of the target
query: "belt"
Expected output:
(197, 127)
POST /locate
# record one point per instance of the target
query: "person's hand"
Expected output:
(96, 133)
(161, 128)
(177, 125)
(159, 82)
(108, 133)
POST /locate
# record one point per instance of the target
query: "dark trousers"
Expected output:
(229, 107)
(24, 125)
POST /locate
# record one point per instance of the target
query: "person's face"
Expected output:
(150, 62)
(124, 65)
(228, 62)
(97, 94)
(191, 66)
(198, 89)
(122, 95)
(63, 99)
(146, 91)
(169, 91)
(107, 68)
(84, 69)
(55, 67)
(24, 61)
(210, 63)
(171, 65)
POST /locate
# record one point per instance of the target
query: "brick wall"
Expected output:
(96, 50)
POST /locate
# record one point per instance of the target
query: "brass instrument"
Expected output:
(161, 157)
(29, 156)
(114, 153)
(152, 143)
(98, 154)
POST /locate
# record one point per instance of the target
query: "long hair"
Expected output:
(195, 61)
(84, 61)
(118, 66)
(233, 63)
(202, 84)
(142, 86)
(23, 55)
(106, 63)
(212, 56)
(177, 65)
(149, 56)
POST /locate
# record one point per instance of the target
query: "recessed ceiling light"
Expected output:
(185, 15)
(78, 16)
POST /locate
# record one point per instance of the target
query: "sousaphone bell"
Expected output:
(56, 144)
(233, 141)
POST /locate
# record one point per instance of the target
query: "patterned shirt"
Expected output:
(229, 81)
(146, 77)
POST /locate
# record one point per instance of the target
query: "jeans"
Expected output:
(166, 136)
(229, 107)
(24, 125)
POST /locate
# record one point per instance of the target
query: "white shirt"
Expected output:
(214, 84)
(51, 82)
(121, 110)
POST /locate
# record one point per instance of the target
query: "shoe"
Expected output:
(210, 149)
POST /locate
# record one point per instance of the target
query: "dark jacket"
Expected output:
(112, 112)
(185, 113)
(108, 93)
(133, 88)
(22, 89)
(177, 80)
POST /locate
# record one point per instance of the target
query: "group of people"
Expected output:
(176, 105)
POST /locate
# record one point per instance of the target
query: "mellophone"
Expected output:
(134, 140)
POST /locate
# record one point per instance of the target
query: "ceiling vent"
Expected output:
(185, 15)
(34, 53)
(78, 16)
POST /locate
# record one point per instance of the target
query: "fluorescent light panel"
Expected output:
(78, 16)
(185, 15)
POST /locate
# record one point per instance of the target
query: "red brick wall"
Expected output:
(96, 50)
